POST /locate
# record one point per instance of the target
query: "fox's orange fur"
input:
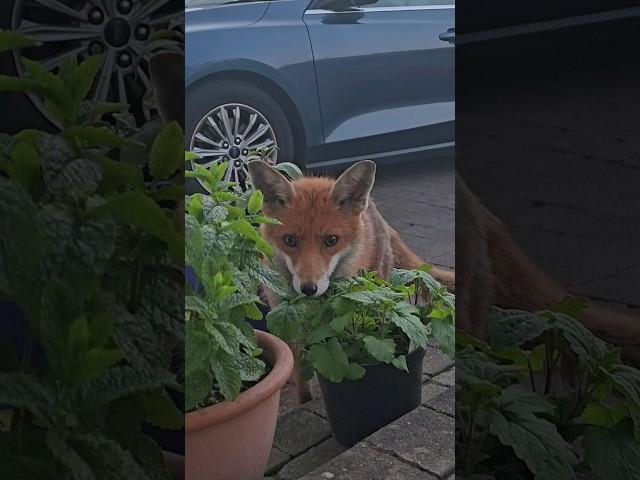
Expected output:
(311, 209)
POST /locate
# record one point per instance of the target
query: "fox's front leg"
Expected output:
(303, 390)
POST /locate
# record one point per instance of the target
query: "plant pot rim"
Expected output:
(281, 357)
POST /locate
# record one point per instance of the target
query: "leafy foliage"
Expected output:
(91, 258)
(365, 320)
(512, 423)
(225, 250)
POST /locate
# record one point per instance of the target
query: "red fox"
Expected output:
(493, 270)
(329, 229)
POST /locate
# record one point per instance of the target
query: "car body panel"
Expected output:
(403, 114)
(385, 79)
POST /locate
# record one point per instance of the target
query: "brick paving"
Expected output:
(417, 199)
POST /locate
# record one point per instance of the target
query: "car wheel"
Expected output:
(235, 121)
(124, 31)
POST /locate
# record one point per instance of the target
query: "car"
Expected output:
(327, 82)
(126, 32)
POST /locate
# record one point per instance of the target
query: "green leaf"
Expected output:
(254, 205)
(26, 391)
(160, 410)
(198, 384)
(110, 457)
(24, 166)
(443, 331)
(95, 360)
(612, 454)
(508, 328)
(20, 247)
(411, 325)
(78, 337)
(198, 347)
(251, 368)
(149, 455)
(244, 228)
(341, 322)
(12, 40)
(92, 137)
(537, 442)
(166, 152)
(285, 320)
(116, 174)
(65, 453)
(79, 78)
(382, 350)
(571, 306)
(603, 415)
(138, 210)
(400, 363)
(227, 375)
(330, 361)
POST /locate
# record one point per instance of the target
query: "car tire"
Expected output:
(204, 98)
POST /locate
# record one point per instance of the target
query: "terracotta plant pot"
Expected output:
(232, 440)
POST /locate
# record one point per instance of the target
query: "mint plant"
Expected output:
(512, 423)
(365, 320)
(91, 255)
(226, 251)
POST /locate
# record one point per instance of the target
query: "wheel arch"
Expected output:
(268, 85)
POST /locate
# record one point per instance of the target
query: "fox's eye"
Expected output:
(290, 240)
(331, 240)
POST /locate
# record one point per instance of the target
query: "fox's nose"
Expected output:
(309, 289)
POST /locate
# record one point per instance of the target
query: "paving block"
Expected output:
(436, 361)
(421, 437)
(447, 378)
(364, 462)
(299, 430)
(276, 460)
(431, 390)
(310, 460)
(316, 406)
(444, 403)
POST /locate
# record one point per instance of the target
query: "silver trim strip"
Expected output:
(547, 25)
(320, 11)
(381, 155)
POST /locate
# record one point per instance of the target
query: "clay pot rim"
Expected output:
(279, 353)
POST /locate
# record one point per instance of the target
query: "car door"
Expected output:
(385, 75)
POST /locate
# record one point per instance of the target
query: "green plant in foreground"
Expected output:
(512, 423)
(91, 255)
(226, 251)
(365, 320)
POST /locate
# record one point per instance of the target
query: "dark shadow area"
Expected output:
(92, 240)
(547, 219)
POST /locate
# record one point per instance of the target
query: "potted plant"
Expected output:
(545, 398)
(233, 373)
(89, 264)
(366, 340)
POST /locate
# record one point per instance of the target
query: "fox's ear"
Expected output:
(277, 190)
(352, 188)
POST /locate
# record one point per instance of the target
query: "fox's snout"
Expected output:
(307, 279)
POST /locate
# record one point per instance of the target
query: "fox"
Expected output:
(329, 228)
(492, 269)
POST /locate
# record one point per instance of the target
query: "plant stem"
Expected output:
(467, 447)
(531, 379)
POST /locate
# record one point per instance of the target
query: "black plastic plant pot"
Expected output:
(357, 408)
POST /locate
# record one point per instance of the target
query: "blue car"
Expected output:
(329, 82)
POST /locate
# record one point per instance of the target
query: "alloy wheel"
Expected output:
(237, 134)
(122, 30)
